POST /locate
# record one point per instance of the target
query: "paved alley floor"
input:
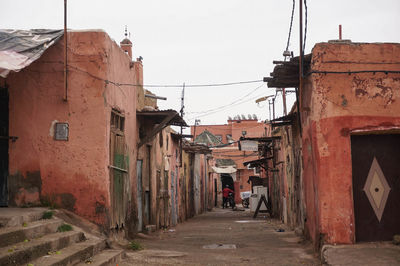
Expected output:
(224, 237)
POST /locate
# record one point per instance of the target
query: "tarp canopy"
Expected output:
(19, 48)
(224, 170)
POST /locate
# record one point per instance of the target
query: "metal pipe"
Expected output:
(340, 32)
(65, 98)
(155, 97)
(284, 101)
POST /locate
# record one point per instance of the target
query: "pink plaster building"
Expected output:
(78, 152)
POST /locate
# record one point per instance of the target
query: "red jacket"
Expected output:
(225, 192)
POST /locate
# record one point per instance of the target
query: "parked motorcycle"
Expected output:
(245, 198)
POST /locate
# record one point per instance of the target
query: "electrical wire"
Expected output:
(207, 114)
(164, 85)
(305, 26)
(290, 28)
(238, 100)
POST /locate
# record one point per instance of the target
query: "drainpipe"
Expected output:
(65, 98)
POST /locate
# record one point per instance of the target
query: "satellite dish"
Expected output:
(229, 118)
(255, 117)
(243, 117)
(249, 116)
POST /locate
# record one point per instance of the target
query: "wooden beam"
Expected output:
(158, 128)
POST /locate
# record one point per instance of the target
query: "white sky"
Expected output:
(212, 41)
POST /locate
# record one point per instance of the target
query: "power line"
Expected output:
(223, 109)
(238, 100)
(290, 28)
(165, 85)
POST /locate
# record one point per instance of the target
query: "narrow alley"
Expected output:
(224, 237)
(125, 126)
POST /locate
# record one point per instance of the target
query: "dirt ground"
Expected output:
(224, 237)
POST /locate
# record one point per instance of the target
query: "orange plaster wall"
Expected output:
(333, 107)
(74, 173)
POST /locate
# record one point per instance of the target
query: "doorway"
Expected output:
(4, 139)
(118, 170)
(376, 186)
(227, 180)
(139, 165)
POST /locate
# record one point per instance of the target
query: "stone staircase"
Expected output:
(28, 239)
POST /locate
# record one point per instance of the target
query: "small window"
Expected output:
(117, 120)
(229, 138)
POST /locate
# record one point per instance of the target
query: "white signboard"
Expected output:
(248, 145)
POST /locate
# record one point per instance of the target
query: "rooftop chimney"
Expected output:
(126, 44)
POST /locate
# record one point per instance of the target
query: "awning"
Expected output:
(286, 73)
(224, 170)
(259, 162)
(157, 117)
(283, 120)
(19, 48)
(262, 139)
(162, 119)
(195, 148)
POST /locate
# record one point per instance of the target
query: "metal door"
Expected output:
(4, 139)
(376, 186)
(139, 165)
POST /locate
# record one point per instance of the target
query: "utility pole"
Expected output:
(284, 101)
(182, 113)
(300, 89)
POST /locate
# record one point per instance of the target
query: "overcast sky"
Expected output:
(206, 42)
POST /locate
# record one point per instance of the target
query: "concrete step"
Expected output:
(72, 254)
(108, 257)
(18, 216)
(24, 252)
(15, 234)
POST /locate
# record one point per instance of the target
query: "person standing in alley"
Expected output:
(225, 195)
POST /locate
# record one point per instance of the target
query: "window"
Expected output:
(229, 138)
(219, 137)
(117, 121)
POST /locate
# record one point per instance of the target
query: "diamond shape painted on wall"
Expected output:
(377, 189)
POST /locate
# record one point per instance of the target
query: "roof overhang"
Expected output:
(262, 139)
(224, 170)
(195, 148)
(157, 117)
(286, 73)
(286, 120)
(257, 163)
(19, 48)
(160, 118)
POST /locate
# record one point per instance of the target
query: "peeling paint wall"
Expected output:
(71, 174)
(334, 106)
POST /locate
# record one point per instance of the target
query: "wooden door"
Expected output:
(118, 171)
(376, 186)
(139, 197)
(4, 140)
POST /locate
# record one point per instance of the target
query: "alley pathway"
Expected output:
(202, 239)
